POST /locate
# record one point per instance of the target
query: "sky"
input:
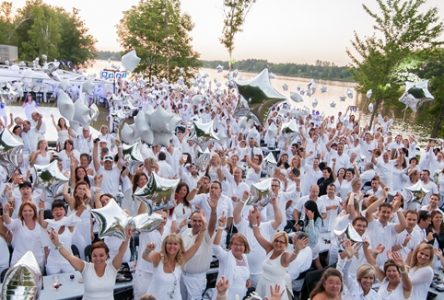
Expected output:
(276, 30)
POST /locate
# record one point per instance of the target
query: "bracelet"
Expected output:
(402, 272)
(254, 225)
(58, 246)
(220, 228)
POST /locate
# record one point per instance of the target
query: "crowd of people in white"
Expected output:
(339, 188)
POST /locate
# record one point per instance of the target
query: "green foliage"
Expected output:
(235, 13)
(433, 69)
(401, 29)
(159, 33)
(322, 70)
(40, 29)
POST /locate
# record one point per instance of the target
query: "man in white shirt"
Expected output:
(83, 142)
(109, 171)
(224, 204)
(165, 170)
(193, 280)
(299, 211)
(428, 185)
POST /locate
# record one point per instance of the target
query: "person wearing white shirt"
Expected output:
(224, 204)
(407, 240)
(331, 202)
(193, 279)
(109, 171)
(380, 231)
(165, 170)
(360, 288)
(83, 142)
(428, 185)
(237, 186)
(145, 269)
(257, 254)
(301, 264)
(299, 211)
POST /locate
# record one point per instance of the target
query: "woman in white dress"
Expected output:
(395, 280)
(41, 156)
(27, 234)
(183, 210)
(329, 286)
(65, 227)
(360, 288)
(68, 155)
(79, 203)
(29, 106)
(253, 173)
(274, 269)
(233, 264)
(167, 265)
(421, 271)
(99, 275)
(62, 131)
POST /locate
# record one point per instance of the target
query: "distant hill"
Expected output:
(321, 70)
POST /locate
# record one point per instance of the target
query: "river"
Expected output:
(334, 91)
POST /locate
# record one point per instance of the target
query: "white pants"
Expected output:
(141, 282)
(192, 286)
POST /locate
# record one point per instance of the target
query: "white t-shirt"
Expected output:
(111, 180)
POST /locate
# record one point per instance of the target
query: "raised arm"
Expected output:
(96, 160)
(238, 207)
(75, 262)
(187, 255)
(299, 244)
(117, 260)
(253, 217)
(41, 218)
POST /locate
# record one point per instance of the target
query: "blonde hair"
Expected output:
(240, 237)
(280, 234)
(420, 247)
(365, 270)
(173, 238)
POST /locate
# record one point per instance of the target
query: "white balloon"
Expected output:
(370, 107)
(94, 112)
(65, 105)
(128, 133)
(88, 87)
(81, 112)
(130, 60)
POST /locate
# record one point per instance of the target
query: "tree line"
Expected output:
(39, 29)
(320, 70)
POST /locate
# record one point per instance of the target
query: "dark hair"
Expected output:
(423, 215)
(179, 187)
(98, 245)
(359, 219)
(84, 179)
(57, 203)
(136, 179)
(161, 156)
(390, 263)
(312, 206)
(87, 156)
(319, 288)
(25, 184)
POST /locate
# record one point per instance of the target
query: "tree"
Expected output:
(159, 33)
(432, 67)
(235, 12)
(40, 29)
(401, 28)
